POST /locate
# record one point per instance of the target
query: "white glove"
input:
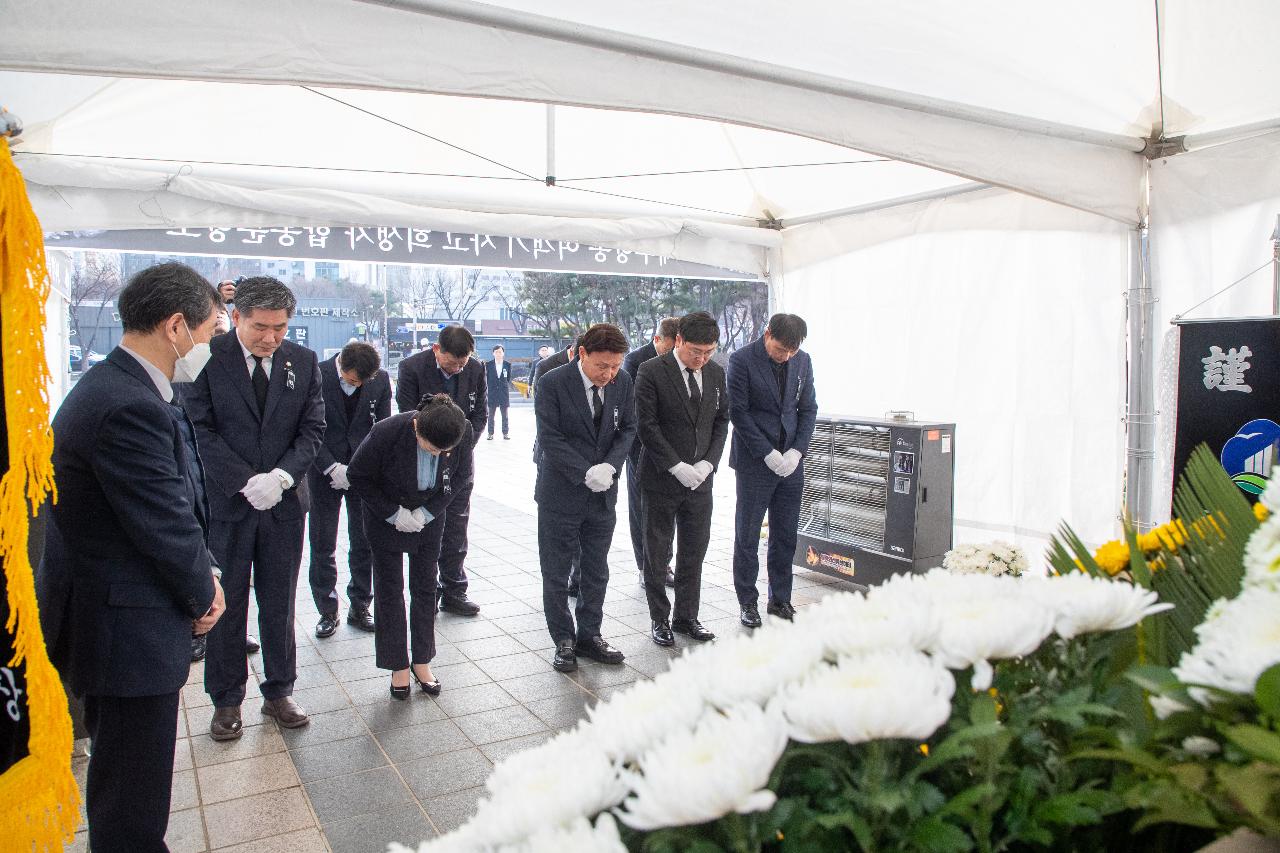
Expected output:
(420, 514)
(704, 469)
(263, 491)
(686, 474)
(790, 461)
(338, 477)
(405, 522)
(600, 477)
(775, 463)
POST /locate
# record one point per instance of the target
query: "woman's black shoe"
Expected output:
(399, 692)
(431, 688)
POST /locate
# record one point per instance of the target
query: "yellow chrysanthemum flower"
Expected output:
(1261, 512)
(1113, 557)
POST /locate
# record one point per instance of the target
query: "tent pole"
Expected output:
(1140, 415)
(1275, 269)
(551, 145)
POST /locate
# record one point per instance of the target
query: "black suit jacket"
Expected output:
(764, 419)
(568, 441)
(342, 437)
(384, 473)
(551, 362)
(238, 443)
(127, 550)
(631, 364)
(499, 384)
(420, 377)
(674, 431)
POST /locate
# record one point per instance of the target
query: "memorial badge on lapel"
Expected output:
(615, 417)
(471, 402)
(289, 379)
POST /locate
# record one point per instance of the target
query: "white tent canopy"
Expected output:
(956, 194)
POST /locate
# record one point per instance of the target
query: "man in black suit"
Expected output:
(498, 380)
(259, 417)
(682, 405)
(549, 363)
(773, 408)
(664, 339)
(357, 393)
(586, 423)
(128, 552)
(448, 367)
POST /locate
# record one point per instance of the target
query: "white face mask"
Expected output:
(188, 366)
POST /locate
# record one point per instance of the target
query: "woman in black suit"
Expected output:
(406, 473)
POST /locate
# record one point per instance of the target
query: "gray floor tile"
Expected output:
(540, 685)
(183, 795)
(309, 840)
(372, 833)
(185, 833)
(337, 758)
(321, 700)
(234, 779)
(313, 676)
(389, 713)
(260, 816)
(420, 741)
(323, 728)
(460, 675)
(250, 715)
(354, 669)
(334, 649)
(499, 724)
(523, 622)
(259, 740)
(367, 690)
(535, 640)
(604, 676)
(491, 647)
(560, 711)
(473, 700)
(474, 629)
(512, 666)
(366, 792)
(499, 750)
(446, 773)
(508, 608)
(453, 810)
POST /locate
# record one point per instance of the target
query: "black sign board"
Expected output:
(1229, 397)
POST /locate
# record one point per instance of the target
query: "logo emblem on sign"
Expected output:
(1249, 455)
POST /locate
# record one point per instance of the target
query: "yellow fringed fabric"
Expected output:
(39, 801)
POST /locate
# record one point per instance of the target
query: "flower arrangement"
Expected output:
(988, 558)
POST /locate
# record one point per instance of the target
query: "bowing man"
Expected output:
(409, 473)
(586, 423)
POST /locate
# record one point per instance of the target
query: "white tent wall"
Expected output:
(999, 312)
(1212, 216)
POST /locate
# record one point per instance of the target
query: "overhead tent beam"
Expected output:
(600, 38)
(872, 207)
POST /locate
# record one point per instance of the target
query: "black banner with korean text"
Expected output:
(387, 245)
(1229, 397)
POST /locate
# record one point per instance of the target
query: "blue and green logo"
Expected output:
(1249, 454)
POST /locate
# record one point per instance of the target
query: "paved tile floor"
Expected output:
(368, 769)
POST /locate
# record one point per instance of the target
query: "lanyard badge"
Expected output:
(471, 402)
(444, 477)
(615, 417)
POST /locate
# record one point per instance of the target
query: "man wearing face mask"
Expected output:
(127, 545)
(259, 417)
(448, 368)
(356, 395)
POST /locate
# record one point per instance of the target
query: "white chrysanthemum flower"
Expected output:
(631, 722)
(1270, 497)
(896, 616)
(985, 618)
(1236, 646)
(990, 558)
(1198, 745)
(1262, 554)
(697, 775)
(891, 693)
(531, 790)
(1085, 605)
(751, 668)
(1165, 707)
(578, 837)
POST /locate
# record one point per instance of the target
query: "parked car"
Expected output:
(73, 362)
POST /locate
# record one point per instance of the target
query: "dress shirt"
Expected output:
(450, 381)
(587, 385)
(249, 359)
(347, 387)
(697, 374)
(162, 382)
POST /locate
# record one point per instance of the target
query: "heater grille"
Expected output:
(846, 477)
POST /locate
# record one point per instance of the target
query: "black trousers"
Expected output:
(130, 778)
(392, 635)
(322, 535)
(492, 409)
(453, 545)
(560, 535)
(761, 492)
(687, 516)
(635, 512)
(270, 552)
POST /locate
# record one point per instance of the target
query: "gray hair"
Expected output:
(266, 294)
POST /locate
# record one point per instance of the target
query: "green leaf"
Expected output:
(860, 829)
(1267, 692)
(1074, 808)
(1256, 741)
(983, 709)
(1164, 801)
(1153, 679)
(935, 835)
(963, 803)
(1255, 787)
(1126, 755)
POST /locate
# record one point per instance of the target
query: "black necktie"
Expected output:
(780, 374)
(695, 396)
(260, 385)
(597, 406)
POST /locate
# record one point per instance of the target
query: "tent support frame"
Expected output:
(1140, 411)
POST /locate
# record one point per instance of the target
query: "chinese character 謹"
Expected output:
(1225, 370)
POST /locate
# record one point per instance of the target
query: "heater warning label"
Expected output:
(838, 562)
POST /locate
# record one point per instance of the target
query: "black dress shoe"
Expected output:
(225, 724)
(199, 647)
(693, 629)
(400, 693)
(459, 604)
(661, 633)
(251, 644)
(597, 649)
(670, 579)
(506, 437)
(750, 617)
(431, 688)
(781, 609)
(327, 625)
(565, 659)
(491, 436)
(361, 618)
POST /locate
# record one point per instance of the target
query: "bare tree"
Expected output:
(508, 293)
(456, 292)
(95, 282)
